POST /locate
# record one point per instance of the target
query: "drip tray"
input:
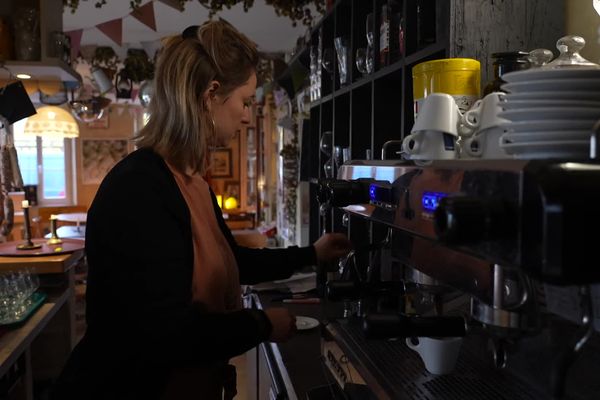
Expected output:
(399, 371)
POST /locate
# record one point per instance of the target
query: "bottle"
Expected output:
(505, 62)
(384, 36)
(395, 15)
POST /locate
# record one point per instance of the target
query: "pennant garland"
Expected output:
(114, 28)
(75, 40)
(173, 3)
(145, 14)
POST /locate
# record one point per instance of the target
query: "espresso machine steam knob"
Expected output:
(385, 326)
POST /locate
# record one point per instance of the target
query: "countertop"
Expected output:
(301, 355)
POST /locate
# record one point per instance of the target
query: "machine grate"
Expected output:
(401, 373)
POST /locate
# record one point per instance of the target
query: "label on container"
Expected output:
(384, 37)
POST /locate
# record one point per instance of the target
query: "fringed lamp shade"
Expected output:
(52, 121)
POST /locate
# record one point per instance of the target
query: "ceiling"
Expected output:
(271, 32)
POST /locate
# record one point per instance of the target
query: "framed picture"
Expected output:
(98, 156)
(221, 163)
(232, 189)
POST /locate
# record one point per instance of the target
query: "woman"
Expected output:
(163, 297)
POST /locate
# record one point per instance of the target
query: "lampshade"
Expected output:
(52, 121)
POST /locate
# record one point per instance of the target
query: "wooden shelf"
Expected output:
(14, 343)
(43, 264)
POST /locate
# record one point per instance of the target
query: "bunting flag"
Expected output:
(173, 3)
(134, 93)
(75, 39)
(113, 29)
(145, 14)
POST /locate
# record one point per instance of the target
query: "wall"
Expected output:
(121, 125)
(583, 20)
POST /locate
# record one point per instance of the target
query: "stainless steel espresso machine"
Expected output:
(501, 254)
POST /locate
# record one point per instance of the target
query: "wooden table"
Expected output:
(78, 218)
(72, 217)
(69, 232)
(46, 339)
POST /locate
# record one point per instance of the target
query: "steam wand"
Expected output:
(570, 354)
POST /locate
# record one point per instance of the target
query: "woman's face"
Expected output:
(233, 111)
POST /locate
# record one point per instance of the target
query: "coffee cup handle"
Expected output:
(504, 140)
(471, 118)
(469, 147)
(411, 345)
(411, 144)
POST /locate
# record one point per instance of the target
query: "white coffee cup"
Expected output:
(485, 145)
(438, 354)
(440, 113)
(430, 145)
(484, 113)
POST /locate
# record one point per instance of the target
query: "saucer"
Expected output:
(584, 85)
(579, 149)
(304, 323)
(546, 113)
(559, 95)
(551, 125)
(546, 136)
(529, 75)
(540, 103)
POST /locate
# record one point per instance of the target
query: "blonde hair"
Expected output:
(180, 127)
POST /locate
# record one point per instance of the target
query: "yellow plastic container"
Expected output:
(458, 77)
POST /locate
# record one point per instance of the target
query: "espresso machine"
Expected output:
(501, 254)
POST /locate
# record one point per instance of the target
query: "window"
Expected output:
(48, 163)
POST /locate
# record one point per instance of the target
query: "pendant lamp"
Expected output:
(51, 121)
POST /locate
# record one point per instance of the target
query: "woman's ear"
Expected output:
(211, 92)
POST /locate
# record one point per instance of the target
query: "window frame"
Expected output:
(69, 146)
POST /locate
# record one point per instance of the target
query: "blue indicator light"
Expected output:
(431, 200)
(372, 192)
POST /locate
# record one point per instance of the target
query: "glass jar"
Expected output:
(505, 62)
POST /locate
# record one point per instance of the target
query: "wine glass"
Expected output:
(326, 142)
(328, 60)
(369, 29)
(326, 145)
(361, 60)
(341, 48)
(369, 60)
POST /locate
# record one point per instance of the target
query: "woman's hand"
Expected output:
(332, 246)
(283, 322)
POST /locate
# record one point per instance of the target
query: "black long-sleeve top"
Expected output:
(140, 316)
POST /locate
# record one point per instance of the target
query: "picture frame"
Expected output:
(98, 156)
(221, 165)
(232, 189)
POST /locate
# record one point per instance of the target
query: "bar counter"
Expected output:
(299, 360)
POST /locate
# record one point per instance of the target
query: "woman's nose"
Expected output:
(246, 117)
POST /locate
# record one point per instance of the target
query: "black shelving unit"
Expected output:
(369, 109)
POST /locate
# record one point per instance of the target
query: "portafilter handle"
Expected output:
(386, 326)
